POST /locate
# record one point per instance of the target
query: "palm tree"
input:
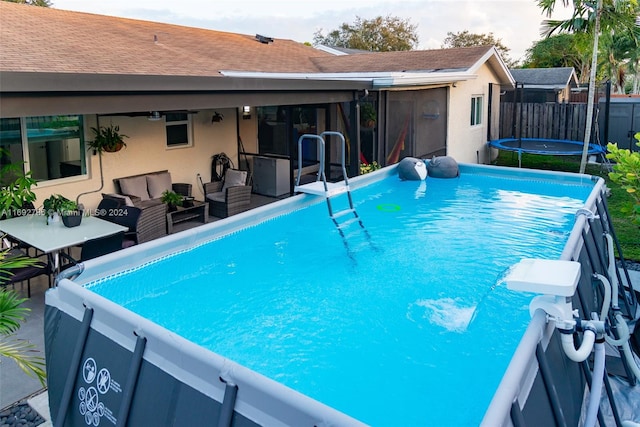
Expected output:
(611, 15)
(12, 314)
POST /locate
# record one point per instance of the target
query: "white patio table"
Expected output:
(52, 238)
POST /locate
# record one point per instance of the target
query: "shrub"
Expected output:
(626, 173)
(369, 167)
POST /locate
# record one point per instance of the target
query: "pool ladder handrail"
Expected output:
(321, 187)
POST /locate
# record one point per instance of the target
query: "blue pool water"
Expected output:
(411, 326)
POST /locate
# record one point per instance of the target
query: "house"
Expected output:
(182, 95)
(543, 84)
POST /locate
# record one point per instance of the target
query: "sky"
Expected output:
(516, 23)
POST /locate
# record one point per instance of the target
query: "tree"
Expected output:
(380, 34)
(561, 50)
(590, 18)
(467, 39)
(43, 3)
(620, 60)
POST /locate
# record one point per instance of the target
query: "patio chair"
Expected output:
(152, 219)
(94, 248)
(127, 216)
(22, 274)
(11, 242)
(230, 196)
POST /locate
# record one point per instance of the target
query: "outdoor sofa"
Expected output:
(144, 191)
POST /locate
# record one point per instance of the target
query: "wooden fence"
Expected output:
(550, 120)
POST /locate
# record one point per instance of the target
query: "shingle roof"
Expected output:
(47, 40)
(50, 40)
(414, 60)
(560, 76)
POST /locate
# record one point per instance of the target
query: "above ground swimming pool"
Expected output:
(404, 322)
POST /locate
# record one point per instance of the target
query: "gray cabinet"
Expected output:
(270, 176)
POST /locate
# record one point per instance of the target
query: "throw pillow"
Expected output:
(158, 183)
(234, 178)
(135, 186)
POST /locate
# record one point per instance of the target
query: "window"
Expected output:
(52, 147)
(178, 126)
(476, 110)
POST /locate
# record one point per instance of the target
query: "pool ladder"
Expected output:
(321, 187)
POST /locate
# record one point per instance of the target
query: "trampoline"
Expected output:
(551, 147)
(543, 146)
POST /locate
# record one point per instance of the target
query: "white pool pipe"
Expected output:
(606, 299)
(612, 270)
(588, 339)
(596, 384)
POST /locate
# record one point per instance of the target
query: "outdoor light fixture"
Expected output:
(154, 116)
(246, 112)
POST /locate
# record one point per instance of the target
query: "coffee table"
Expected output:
(197, 211)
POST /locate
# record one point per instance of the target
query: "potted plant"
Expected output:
(368, 115)
(70, 213)
(16, 193)
(172, 199)
(107, 139)
(57, 206)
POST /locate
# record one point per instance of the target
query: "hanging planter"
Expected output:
(107, 139)
(117, 147)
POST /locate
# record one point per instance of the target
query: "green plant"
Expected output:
(369, 167)
(11, 315)
(368, 114)
(171, 198)
(626, 173)
(57, 203)
(107, 138)
(17, 191)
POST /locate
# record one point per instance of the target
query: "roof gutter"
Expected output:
(420, 79)
(378, 80)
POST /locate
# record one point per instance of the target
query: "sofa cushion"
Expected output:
(158, 183)
(135, 186)
(216, 197)
(234, 178)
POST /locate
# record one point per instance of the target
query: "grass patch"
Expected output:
(627, 232)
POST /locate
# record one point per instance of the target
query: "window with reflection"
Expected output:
(52, 147)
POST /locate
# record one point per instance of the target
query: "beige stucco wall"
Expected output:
(466, 143)
(146, 152)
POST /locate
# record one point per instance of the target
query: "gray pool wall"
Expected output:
(541, 385)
